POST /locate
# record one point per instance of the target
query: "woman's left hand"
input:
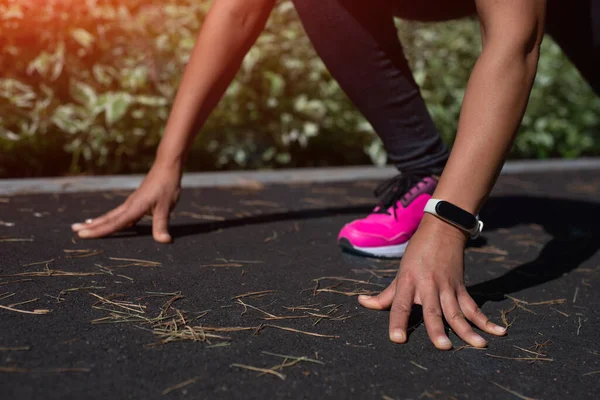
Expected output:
(432, 274)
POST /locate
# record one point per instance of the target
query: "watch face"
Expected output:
(456, 214)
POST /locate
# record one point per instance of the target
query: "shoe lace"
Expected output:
(392, 190)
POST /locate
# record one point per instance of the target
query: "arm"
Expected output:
(229, 30)
(495, 100)
(431, 272)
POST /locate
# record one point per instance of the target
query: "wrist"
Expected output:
(435, 225)
(169, 159)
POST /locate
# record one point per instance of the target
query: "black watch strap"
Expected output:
(455, 216)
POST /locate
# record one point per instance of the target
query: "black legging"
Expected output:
(358, 43)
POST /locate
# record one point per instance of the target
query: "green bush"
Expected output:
(87, 86)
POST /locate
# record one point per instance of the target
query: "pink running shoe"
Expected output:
(386, 231)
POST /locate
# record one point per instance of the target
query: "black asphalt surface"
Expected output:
(540, 247)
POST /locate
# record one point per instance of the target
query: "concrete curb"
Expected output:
(234, 178)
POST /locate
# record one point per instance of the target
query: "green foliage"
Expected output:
(87, 86)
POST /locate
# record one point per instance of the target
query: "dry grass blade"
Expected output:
(59, 370)
(284, 317)
(9, 239)
(271, 238)
(158, 294)
(54, 272)
(82, 253)
(77, 289)
(205, 217)
(137, 262)
(303, 358)
(46, 262)
(269, 316)
(180, 385)
(13, 369)
(418, 366)
(539, 346)
(355, 292)
(229, 328)
(54, 370)
(329, 317)
(591, 373)
(34, 312)
(560, 312)
(263, 370)
(467, 346)
(537, 303)
(306, 307)
(253, 294)
(343, 279)
(332, 289)
(137, 308)
(520, 358)
(240, 261)
(222, 344)
(487, 250)
(169, 325)
(529, 351)
(6, 295)
(246, 306)
(285, 328)
(22, 302)
(519, 395)
(504, 314)
(226, 265)
(21, 348)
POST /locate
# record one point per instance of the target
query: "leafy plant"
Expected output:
(87, 86)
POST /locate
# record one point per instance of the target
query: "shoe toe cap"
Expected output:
(363, 234)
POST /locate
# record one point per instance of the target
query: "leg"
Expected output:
(575, 26)
(358, 42)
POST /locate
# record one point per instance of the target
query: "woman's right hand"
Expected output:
(157, 196)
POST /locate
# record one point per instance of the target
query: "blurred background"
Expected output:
(86, 87)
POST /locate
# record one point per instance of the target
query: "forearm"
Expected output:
(227, 34)
(494, 103)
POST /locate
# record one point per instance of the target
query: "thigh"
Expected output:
(433, 10)
(575, 27)
(359, 44)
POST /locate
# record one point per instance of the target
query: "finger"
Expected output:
(401, 309)
(92, 223)
(474, 314)
(383, 301)
(160, 224)
(81, 225)
(432, 314)
(112, 224)
(456, 319)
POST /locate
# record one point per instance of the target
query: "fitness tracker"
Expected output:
(455, 216)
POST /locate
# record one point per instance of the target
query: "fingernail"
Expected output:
(84, 233)
(89, 221)
(444, 342)
(76, 226)
(397, 335)
(364, 297)
(480, 340)
(499, 329)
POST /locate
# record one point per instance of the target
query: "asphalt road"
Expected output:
(124, 317)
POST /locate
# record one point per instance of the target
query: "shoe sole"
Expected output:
(395, 251)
